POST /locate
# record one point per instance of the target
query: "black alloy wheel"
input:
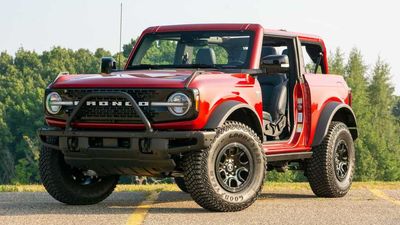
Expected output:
(341, 160)
(228, 175)
(234, 167)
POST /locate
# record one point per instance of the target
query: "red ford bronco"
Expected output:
(213, 105)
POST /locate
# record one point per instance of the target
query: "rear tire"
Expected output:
(330, 170)
(69, 185)
(229, 175)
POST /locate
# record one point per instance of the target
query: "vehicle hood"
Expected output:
(125, 79)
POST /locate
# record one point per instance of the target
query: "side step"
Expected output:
(289, 156)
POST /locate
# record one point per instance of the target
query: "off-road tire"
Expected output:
(320, 169)
(58, 181)
(180, 182)
(201, 179)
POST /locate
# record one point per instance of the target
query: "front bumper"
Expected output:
(144, 153)
(124, 152)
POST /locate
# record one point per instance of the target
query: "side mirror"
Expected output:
(275, 64)
(108, 64)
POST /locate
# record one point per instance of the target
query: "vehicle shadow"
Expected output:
(176, 202)
(266, 196)
(14, 204)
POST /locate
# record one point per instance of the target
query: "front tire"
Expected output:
(229, 175)
(180, 182)
(70, 185)
(330, 170)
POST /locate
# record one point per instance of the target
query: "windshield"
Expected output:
(200, 49)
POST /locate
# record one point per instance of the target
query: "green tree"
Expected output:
(120, 59)
(6, 64)
(6, 158)
(27, 62)
(336, 62)
(127, 48)
(355, 74)
(381, 90)
(86, 62)
(57, 60)
(396, 108)
(23, 116)
(384, 138)
(100, 52)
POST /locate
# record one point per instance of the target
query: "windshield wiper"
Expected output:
(211, 66)
(143, 66)
(191, 66)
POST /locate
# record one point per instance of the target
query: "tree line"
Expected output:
(25, 75)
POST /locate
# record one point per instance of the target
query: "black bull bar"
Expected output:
(145, 149)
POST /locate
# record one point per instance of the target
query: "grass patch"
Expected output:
(22, 188)
(272, 186)
(147, 188)
(356, 185)
(269, 186)
(377, 185)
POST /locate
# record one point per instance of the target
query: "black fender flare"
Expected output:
(335, 110)
(224, 110)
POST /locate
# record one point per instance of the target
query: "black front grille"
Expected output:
(122, 113)
(112, 113)
(115, 114)
(137, 94)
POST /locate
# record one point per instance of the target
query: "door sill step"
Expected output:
(289, 156)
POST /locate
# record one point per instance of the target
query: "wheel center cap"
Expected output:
(229, 167)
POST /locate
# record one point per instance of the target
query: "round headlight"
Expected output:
(50, 106)
(182, 104)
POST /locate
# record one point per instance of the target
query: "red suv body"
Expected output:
(261, 79)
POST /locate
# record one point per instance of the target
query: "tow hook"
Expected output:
(72, 143)
(144, 146)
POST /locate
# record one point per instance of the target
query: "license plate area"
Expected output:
(96, 142)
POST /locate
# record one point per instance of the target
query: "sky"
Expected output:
(371, 26)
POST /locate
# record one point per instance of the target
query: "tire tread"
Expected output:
(197, 180)
(320, 177)
(54, 182)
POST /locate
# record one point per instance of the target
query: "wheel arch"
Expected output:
(235, 111)
(335, 111)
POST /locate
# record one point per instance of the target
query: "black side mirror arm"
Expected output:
(318, 62)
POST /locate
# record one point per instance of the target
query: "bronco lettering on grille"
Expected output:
(113, 103)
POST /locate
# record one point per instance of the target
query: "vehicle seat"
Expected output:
(274, 97)
(267, 50)
(205, 56)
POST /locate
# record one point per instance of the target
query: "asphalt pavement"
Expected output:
(361, 206)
